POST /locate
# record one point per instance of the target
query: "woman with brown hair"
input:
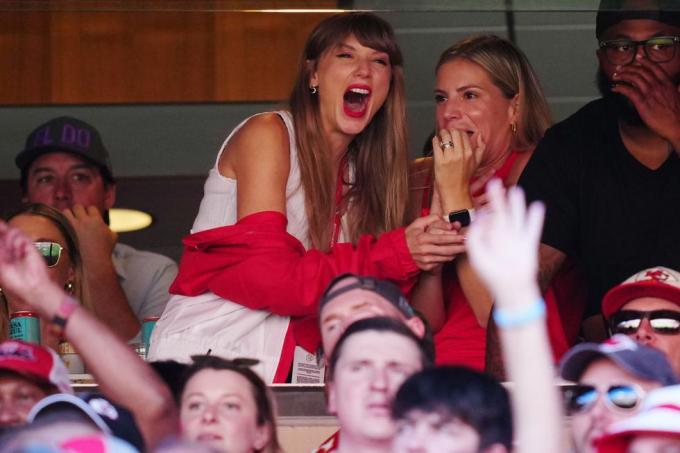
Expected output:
(55, 239)
(297, 197)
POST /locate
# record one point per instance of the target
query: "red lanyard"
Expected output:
(339, 208)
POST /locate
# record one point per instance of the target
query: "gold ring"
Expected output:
(447, 145)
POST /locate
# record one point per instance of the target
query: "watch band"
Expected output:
(464, 216)
(60, 318)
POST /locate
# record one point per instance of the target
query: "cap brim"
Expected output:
(36, 379)
(72, 400)
(24, 159)
(620, 295)
(577, 359)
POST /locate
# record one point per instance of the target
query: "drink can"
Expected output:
(24, 326)
(147, 329)
(74, 364)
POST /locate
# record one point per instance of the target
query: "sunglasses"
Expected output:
(627, 322)
(51, 251)
(581, 398)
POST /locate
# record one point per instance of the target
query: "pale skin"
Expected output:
(474, 115)
(121, 374)
(502, 246)
(259, 151)
(68, 183)
(591, 424)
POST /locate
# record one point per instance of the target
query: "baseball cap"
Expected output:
(110, 418)
(66, 134)
(642, 361)
(35, 362)
(385, 289)
(659, 415)
(611, 12)
(660, 282)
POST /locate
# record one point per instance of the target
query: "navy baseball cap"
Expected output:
(66, 134)
(642, 361)
(385, 289)
(110, 418)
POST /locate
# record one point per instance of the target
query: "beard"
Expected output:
(622, 106)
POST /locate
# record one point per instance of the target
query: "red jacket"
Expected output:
(259, 265)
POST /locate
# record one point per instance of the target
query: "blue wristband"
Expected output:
(516, 318)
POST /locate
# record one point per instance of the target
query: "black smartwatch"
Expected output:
(464, 216)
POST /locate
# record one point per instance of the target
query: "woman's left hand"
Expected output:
(22, 270)
(455, 161)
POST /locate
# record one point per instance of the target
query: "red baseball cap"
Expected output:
(659, 416)
(658, 282)
(35, 362)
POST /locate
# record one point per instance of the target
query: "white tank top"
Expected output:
(218, 206)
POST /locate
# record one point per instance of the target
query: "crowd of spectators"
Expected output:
(517, 249)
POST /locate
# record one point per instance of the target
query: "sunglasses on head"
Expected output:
(662, 321)
(51, 251)
(581, 398)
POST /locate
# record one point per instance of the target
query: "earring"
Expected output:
(513, 128)
(314, 89)
(69, 287)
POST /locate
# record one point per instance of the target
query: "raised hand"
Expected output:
(455, 162)
(23, 272)
(654, 95)
(503, 244)
(94, 236)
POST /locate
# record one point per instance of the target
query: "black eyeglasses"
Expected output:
(51, 251)
(666, 322)
(622, 51)
(581, 398)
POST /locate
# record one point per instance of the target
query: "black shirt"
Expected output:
(606, 210)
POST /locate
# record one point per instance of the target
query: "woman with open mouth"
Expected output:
(297, 197)
(490, 114)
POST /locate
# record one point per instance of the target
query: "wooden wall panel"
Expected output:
(148, 56)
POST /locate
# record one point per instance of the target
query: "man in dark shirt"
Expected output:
(610, 173)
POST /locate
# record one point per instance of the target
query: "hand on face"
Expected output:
(433, 242)
(455, 162)
(94, 237)
(503, 242)
(23, 272)
(653, 94)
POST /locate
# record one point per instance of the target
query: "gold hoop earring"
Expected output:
(513, 128)
(68, 287)
(314, 89)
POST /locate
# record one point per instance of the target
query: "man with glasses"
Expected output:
(65, 165)
(612, 378)
(646, 307)
(610, 174)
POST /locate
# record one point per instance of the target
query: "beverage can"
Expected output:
(148, 325)
(24, 326)
(74, 364)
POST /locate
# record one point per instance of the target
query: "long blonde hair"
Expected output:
(71, 246)
(510, 70)
(377, 199)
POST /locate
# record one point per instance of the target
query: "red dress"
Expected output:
(462, 341)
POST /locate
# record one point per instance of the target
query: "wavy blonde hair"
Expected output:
(378, 195)
(510, 70)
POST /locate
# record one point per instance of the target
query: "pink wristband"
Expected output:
(60, 318)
